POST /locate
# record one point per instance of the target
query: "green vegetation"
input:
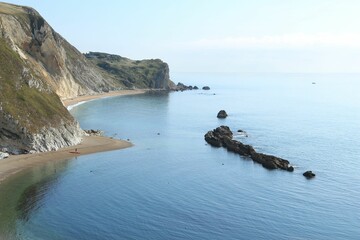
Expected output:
(32, 108)
(152, 73)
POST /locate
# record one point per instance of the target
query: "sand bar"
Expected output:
(90, 144)
(73, 101)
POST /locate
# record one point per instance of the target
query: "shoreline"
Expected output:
(69, 102)
(90, 144)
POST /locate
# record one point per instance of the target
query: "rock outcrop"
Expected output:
(222, 137)
(92, 132)
(309, 174)
(222, 114)
(4, 155)
(206, 88)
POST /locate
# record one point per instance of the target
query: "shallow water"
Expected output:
(171, 185)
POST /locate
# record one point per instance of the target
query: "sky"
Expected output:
(307, 36)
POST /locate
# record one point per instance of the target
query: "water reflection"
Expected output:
(22, 195)
(31, 199)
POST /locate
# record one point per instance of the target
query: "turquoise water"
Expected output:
(171, 185)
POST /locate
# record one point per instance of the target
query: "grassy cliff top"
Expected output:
(7, 8)
(32, 108)
(151, 73)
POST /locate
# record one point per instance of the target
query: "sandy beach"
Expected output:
(90, 144)
(73, 101)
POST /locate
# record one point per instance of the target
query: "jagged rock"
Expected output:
(309, 174)
(222, 136)
(3, 155)
(93, 132)
(271, 162)
(206, 88)
(222, 114)
(216, 137)
(237, 147)
(212, 139)
(182, 87)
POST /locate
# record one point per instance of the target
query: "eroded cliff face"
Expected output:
(38, 68)
(32, 116)
(61, 65)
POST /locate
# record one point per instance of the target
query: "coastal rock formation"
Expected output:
(206, 88)
(309, 174)
(222, 114)
(216, 137)
(93, 132)
(48, 60)
(222, 137)
(145, 74)
(3, 155)
(38, 68)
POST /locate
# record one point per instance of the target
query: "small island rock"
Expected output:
(309, 174)
(206, 88)
(222, 114)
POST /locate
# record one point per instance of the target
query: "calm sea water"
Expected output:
(171, 185)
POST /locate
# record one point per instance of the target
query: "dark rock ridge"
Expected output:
(222, 114)
(182, 87)
(309, 174)
(222, 137)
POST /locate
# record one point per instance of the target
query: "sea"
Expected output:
(172, 185)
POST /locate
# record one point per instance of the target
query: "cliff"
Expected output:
(38, 68)
(152, 73)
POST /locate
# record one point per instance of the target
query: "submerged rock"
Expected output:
(309, 174)
(222, 114)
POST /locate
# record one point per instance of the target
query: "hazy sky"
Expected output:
(215, 36)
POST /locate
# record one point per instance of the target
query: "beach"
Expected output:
(90, 144)
(73, 101)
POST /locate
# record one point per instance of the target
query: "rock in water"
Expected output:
(206, 88)
(222, 137)
(222, 114)
(216, 137)
(309, 174)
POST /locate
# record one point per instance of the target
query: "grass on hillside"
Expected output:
(32, 108)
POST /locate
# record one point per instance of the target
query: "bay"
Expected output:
(172, 185)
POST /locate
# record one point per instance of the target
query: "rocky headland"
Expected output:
(39, 69)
